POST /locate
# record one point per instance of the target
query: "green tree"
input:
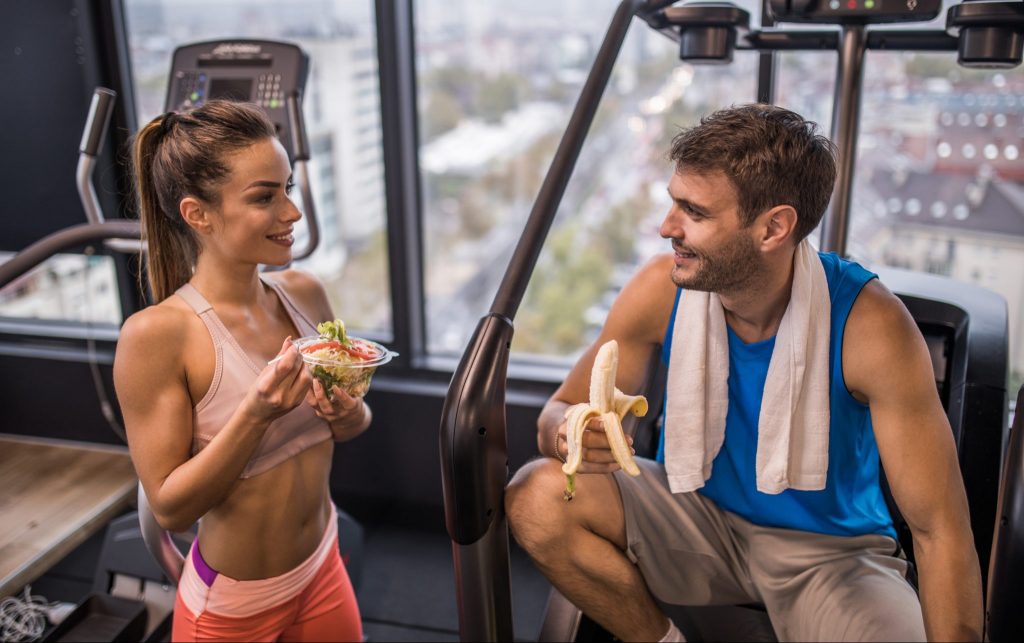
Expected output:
(475, 216)
(570, 278)
(443, 113)
(499, 95)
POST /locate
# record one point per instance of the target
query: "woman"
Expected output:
(214, 431)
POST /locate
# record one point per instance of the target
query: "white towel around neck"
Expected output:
(793, 427)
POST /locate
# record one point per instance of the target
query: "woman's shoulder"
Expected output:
(162, 326)
(154, 342)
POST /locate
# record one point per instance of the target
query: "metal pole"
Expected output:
(766, 63)
(845, 120)
(474, 451)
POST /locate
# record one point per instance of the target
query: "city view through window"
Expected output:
(341, 106)
(939, 183)
(497, 83)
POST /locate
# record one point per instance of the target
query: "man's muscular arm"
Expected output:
(886, 363)
(637, 321)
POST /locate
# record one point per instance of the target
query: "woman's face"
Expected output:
(256, 214)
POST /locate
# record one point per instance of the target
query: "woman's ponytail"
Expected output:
(171, 244)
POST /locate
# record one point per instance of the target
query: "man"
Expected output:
(750, 184)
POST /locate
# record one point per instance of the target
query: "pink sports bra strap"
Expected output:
(193, 298)
(205, 312)
(296, 312)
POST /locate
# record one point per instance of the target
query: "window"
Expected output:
(68, 287)
(938, 186)
(342, 101)
(497, 83)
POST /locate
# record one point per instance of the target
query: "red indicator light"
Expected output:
(851, 4)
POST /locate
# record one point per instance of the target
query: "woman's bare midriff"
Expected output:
(272, 522)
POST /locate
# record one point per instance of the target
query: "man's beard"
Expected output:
(735, 266)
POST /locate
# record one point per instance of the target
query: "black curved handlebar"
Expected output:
(62, 240)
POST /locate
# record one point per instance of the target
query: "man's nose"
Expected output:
(671, 227)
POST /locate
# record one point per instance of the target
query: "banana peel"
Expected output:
(611, 405)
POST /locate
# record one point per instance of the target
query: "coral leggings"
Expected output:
(313, 602)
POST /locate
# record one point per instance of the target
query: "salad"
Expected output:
(337, 359)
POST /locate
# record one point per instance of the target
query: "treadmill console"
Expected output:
(854, 11)
(257, 71)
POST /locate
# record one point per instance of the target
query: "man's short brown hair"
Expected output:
(771, 155)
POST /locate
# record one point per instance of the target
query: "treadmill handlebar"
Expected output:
(300, 142)
(65, 239)
(300, 147)
(100, 110)
(473, 445)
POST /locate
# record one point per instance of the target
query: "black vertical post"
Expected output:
(845, 121)
(396, 53)
(766, 63)
(474, 450)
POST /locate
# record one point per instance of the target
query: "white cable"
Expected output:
(24, 619)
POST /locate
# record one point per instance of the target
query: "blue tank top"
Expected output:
(852, 503)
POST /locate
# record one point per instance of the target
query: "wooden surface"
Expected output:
(54, 495)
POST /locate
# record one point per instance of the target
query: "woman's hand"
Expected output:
(280, 387)
(348, 416)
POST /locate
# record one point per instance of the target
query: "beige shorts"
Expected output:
(815, 587)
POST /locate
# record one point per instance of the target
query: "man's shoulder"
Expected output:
(643, 306)
(879, 333)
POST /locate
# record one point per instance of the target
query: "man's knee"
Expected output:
(531, 503)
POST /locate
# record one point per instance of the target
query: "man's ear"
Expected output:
(195, 214)
(779, 226)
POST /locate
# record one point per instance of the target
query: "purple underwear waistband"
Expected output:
(206, 573)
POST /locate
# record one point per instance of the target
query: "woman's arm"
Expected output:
(150, 378)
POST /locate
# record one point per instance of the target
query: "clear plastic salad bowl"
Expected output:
(351, 368)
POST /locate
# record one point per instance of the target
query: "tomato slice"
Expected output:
(336, 345)
(360, 350)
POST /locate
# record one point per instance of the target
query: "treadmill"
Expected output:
(966, 328)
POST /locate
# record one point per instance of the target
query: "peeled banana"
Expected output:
(611, 405)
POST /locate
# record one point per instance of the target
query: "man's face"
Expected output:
(713, 252)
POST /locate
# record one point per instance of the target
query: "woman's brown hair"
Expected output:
(179, 155)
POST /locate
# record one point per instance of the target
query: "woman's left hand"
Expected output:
(348, 416)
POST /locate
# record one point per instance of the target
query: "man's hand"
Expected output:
(597, 453)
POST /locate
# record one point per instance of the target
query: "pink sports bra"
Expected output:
(234, 373)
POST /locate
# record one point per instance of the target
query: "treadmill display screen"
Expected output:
(239, 89)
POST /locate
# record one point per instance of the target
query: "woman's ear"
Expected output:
(779, 227)
(195, 214)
